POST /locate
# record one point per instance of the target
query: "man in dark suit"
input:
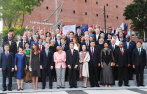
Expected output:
(53, 36)
(72, 60)
(58, 40)
(41, 47)
(23, 42)
(130, 45)
(97, 35)
(29, 37)
(139, 62)
(94, 64)
(86, 42)
(10, 33)
(13, 46)
(121, 31)
(71, 36)
(122, 61)
(46, 64)
(79, 34)
(121, 38)
(7, 67)
(113, 47)
(63, 45)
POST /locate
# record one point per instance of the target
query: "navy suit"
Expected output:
(140, 62)
(123, 40)
(46, 62)
(7, 64)
(93, 67)
(57, 44)
(53, 38)
(131, 47)
(32, 44)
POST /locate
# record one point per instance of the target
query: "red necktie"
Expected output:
(122, 52)
(40, 48)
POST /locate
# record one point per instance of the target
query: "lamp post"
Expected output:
(104, 18)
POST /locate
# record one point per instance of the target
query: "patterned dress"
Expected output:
(35, 64)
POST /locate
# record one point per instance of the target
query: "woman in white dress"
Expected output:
(76, 44)
(84, 69)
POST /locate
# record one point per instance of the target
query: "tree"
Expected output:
(137, 13)
(12, 10)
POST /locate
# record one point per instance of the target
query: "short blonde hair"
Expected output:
(58, 48)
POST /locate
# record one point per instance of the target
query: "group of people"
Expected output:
(94, 56)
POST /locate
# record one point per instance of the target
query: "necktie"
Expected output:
(92, 52)
(139, 51)
(40, 47)
(6, 55)
(122, 52)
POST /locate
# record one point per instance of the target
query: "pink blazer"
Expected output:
(57, 57)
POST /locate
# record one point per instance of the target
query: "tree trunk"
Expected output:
(22, 19)
(144, 36)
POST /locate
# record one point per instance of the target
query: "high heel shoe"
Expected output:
(18, 89)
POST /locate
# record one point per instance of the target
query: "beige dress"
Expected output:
(85, 68)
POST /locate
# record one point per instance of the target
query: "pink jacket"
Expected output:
(57, 57)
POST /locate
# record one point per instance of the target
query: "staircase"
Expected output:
(132, 83)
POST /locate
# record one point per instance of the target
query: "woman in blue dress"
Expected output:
(20, 66)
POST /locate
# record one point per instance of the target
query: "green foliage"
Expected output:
(12, 10)
(17, 30)
(137, 13)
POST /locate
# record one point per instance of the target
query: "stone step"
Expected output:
(132, 83)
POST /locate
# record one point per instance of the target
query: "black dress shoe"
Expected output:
(9, 89)
(84, 87)
(127, 85)
(43, 87)
(58, 87)
(75, 87)
(4, 89)
(71, 87)
(131, 79)
(142, 85)
(50, 87)
(21, 89)
(138, 85)
(119, 85)
(97, 85)
(18, 89)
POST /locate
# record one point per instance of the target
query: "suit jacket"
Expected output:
(124, 35)
(116, 47)
(13, 47)
(7, 62)
(42, 48)
(52, 38)
(139, 59)
(5, 38)
(98, 37)
(30, 39)
(32, 44)
(120, 59)
(46, 61)
(100, 46)
(95, 59)
(56, 44)
(22, 44)
(84, 43)
(72, 60)
(123, 40)
(68, 41)
(65, 48)
(132, 46)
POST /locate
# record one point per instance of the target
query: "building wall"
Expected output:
(94, 13)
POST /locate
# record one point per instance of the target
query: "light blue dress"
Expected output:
(20, 62)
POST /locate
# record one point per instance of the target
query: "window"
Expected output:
(85, 13)
(85, 1)
(116, 6)
(61, 10)
(46, 7)
(107, 16)
(106, 4)
(97, 3)
(74, 11)
(97, 15)
(116, 17)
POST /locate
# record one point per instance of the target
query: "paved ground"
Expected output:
(117, 91)
(89, 90)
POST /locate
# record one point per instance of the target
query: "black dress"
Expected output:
(106, 77)
(35, 64)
